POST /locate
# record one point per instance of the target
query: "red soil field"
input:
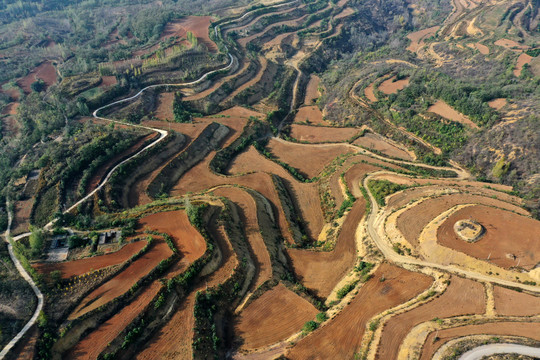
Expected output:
(484, 50)
(173, 341)
(198, 25)
(417, 38)
(505, 233)
(511, 45)
(11, 109)
(83, 266)
(186, 238)
(341, 337)
(497, 104)
(12, 92)
(443, 109)
(248, 216)
(528, 330)
(412, 222)
(200, 178)
(273, 317)
(107, 81)
(244, 41)
(102, 171)
(311, 115)
(311, 267)
(379, 143)
(318, 157)
(164, 109)
(312, 89)
(21, 219)
(462, 297)
(512, 303)
(122, 282)
(522, 60)
(370, 93)
(26, 347)
(96, 342)
(392, 85)
(45, 71)
(318, 134)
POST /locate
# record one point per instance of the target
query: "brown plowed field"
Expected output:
(462, 297)
(311, 115)
(505, 233)
(369, 92)
(417, 38)
(312, 267)
(244, 41)
(391, 86)
(412, 222)
(511, 45)
(173, 341)
(443, 109)
(45, 72)
(198, 25)
(318, 134)
(26, 347)
(528, 330)
(376, 142)
(248, 215)
(21, 220)
(513, 303)
(83, 266)
(484, 50)
(497, 104)
(164, 109)
(310, 160)
(102, 171)
(273, 317)
(342, 336)
(306, 195)
(522, 60)
(94, 343)
(200, 178)
(312, 89)
(11, 109)
(107, 81)
(186, 238)
(122, 282)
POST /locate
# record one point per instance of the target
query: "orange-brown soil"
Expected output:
(21, 220)
(497, 104)
(412, 222)
(107, 81)
(26, 347)
(186, 238)
(522, 60)
(164, 109)
(198, 25)
(342, 336)
(379, 143)
(273, 317)
(244, 41)
(96, 342)
(511, 45)
(83, 266)
(312, 89)
(391, 86)
(318, 134)
(505, 233)
(11, 109)
(122, 282)
(45, 72)
(310, 160)
(484, 50)
(443, 109)
(417, 38)
(248, 216)
(369, 92)
(528, 330)
(310, 115)
(311, 267)
(173, 341)
(512, 303)
(462, 297)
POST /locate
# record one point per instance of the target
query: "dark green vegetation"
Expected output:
(382, 188)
